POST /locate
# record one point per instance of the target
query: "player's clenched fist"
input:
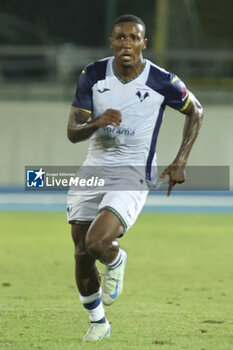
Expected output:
(109, 117)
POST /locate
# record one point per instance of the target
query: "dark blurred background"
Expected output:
(45, 44)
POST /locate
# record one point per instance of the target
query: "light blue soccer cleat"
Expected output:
(98, 331)
(113, 281)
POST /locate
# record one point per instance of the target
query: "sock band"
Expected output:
(103, 320)
(93, 305)
(95, 311)
(116, 262)
(88, 299)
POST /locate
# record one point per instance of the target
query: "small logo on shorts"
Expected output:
(35, 178)
(129, 215)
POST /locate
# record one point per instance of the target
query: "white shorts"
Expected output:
(83, 206)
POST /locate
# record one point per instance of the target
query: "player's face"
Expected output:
(128, 41)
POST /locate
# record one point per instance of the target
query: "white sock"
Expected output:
(94, 307)
(116, 262)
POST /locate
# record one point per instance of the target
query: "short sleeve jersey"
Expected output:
(141, 101)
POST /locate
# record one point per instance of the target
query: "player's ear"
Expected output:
(144, 44)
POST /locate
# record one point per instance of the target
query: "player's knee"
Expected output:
(95, 247)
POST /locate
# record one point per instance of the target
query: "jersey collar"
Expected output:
(125, 81)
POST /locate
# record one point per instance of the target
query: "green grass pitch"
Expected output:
(177, 295)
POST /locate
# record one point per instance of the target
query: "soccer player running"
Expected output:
(123, 92)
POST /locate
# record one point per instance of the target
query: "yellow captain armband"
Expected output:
(86, 110)
(185, 105)
(83, 71)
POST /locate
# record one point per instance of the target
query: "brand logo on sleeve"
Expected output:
(183, 89)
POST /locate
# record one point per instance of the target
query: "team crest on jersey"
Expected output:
(142, 95)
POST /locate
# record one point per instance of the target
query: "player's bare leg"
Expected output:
(88, 283)
(101, 236)
(86, 273)
(101, 243)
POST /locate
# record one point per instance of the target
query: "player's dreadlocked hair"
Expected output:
(129, 18)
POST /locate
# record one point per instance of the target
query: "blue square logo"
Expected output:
(35, 178)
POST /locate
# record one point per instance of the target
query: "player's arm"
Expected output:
(80, 128)
(194, 115)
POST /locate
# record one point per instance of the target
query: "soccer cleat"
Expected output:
(98, 331)
(113, 281)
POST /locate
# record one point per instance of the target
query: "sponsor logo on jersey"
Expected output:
(120, 131)
(142, 95)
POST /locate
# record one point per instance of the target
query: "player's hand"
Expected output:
(176, 175)
(109, 117)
